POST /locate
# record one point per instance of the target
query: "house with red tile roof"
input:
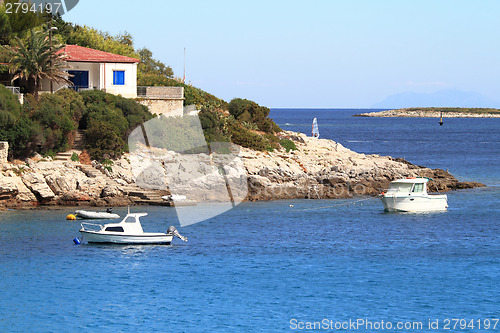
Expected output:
(94, 69)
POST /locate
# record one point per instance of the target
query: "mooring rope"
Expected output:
(337, 205)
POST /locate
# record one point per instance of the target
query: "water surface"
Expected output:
(261, 265)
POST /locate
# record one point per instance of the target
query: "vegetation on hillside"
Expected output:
(47, 125)
(17, 24)
(34, 60)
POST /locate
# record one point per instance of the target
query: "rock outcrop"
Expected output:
(319, 168)
(40, 182)
(423, 113)
(322, 168)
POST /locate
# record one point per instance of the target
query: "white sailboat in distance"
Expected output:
(315, 129)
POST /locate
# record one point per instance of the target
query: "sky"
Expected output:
(314, 54)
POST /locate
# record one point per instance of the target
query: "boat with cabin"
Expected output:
(410, 195)
(128, 231)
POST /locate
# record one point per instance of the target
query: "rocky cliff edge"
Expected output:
(319, 168)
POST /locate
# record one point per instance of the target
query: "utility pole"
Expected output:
(184, 76)
(50, 44)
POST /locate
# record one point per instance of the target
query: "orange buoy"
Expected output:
(71, 217)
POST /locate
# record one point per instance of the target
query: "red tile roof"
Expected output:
(84, 54)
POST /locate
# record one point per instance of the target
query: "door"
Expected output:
(80, 79)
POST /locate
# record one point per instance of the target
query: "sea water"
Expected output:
(270, 267)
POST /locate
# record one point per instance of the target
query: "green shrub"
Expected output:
(24, 136)
(180, 134)
(246, 111)
(214, 126)
(243, 137)
(49, 153)
(15, 125)
(72, 104)
(103, 141)
(288, 144)
(10, 111)
(107, 164)
(117, 114)
(74, 157)
(54, 116)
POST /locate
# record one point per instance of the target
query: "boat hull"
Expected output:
(96, 215)
(146, 238)
(407, 203)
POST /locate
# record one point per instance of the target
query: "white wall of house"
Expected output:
(45, 86)
(129, 89)
(91, 67)
(101, 77)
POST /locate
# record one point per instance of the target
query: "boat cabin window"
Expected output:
(130, 219)
(118, 229)
(418, 188)
(400, 187)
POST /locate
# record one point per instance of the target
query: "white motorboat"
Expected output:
(85, 214)
(128, 231)
(410, 195)
(175, 197)
(178, 200)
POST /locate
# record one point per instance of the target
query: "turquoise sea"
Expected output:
(322, 265)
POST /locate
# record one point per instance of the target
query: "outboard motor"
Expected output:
(173, 231)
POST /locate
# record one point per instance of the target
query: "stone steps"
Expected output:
(66, 156)
(76, 148)
(91, 172)
(79, 140)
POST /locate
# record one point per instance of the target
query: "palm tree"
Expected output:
(35, 60)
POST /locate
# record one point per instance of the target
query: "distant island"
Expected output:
(436, 112)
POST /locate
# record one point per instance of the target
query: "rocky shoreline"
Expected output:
(319, 168)
(423, 113)
(325, 169)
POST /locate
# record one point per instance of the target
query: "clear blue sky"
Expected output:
(322, 53)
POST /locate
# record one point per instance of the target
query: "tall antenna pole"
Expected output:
(184, 77)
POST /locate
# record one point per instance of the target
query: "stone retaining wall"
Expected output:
(161, 92)
(164, 106)
(4, 151)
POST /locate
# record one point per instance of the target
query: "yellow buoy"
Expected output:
(71, 217)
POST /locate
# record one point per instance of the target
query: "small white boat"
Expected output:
(410, 195)
(128, 231)
(174, 197)
(85, 214)
(178, 200)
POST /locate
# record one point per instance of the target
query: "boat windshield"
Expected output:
(418, 188)
(130, 219)
(400, 188)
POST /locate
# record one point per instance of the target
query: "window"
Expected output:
(117, 229)
(118, 78)
(399, 188)
(418, 188)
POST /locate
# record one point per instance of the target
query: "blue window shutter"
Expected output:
(118, 78)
